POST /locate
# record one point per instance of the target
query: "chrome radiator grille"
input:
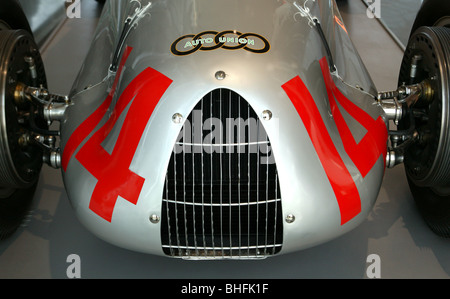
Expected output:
(222, 196)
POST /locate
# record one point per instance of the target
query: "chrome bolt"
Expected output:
(290, 218)
(154, 219)
(220, 75)
(23, 140)
(177, 118)
(266, 114)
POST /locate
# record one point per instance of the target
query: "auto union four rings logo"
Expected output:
(213, 40)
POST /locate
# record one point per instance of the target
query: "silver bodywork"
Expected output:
(295, 50)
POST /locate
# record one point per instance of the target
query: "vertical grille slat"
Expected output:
(220, 199)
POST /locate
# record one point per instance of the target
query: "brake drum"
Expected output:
(427, 56)
(20, 63)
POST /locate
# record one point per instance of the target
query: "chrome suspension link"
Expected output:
(52, 108)
(397, 105)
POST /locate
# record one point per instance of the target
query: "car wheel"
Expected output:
(20, 158)
(427, 162)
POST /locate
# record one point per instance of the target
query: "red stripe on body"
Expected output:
(373, 145)
(112, 171)
(114, 178)
(338, 175)
(364, 154)
(83, 130)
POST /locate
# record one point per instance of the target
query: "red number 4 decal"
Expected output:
(364, 154)
(112, 170)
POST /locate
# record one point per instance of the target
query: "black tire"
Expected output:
(434, 209)
(14, 202)
(13, 209)
(430, 13)
(12, 14)
(431, 199)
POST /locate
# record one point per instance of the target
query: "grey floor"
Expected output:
(397, 16)
(394, 230)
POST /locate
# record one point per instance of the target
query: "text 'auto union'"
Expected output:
(224, 129)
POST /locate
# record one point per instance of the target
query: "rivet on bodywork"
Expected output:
(154, 219)
(290, 218)
(267, 114)
(177, 118)
(220, 75)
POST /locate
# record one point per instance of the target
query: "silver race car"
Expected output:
(225, 129)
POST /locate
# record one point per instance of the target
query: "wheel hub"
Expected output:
(20, 61)
(427, 162)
